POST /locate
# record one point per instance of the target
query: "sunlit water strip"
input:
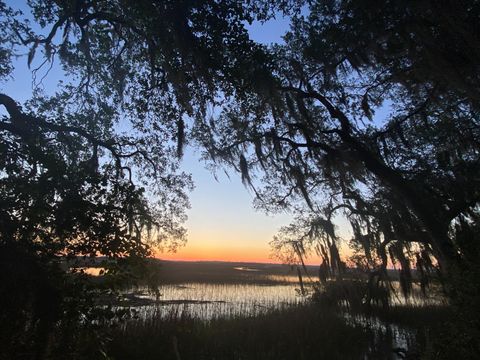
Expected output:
(209, 301)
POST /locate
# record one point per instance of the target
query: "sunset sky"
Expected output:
(222, 223)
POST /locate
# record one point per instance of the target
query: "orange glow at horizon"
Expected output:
(198, 251)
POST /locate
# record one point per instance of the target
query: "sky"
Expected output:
(222, 224)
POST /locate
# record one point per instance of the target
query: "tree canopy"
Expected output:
(136, 75)
(91, 167)
(366, 109)
(370, 110)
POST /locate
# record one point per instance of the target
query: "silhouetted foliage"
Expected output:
(90, 167)
(372, 112)
(343, 130)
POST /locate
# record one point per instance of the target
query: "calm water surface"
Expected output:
(207, 301)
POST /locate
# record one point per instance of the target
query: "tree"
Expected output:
(71, 185)
(320, 87)
(354, 122)
(147, 68)
(91, 168)
(372, 111)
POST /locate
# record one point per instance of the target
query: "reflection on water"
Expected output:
(256, 290)
(416, 297)
(211, 301)
(292, 279)
(398, 336)
(92, 271)
(242, 268)
(208, 301)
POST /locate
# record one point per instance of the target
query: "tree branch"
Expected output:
(18, 117)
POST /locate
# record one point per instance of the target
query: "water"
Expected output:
(208, 301)
(212, 301)
(386, 334)
(256, 293)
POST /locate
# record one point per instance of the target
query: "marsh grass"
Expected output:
(255, 319)
(294, 332)
(301, 331)
(179, 272)
(208, 301)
